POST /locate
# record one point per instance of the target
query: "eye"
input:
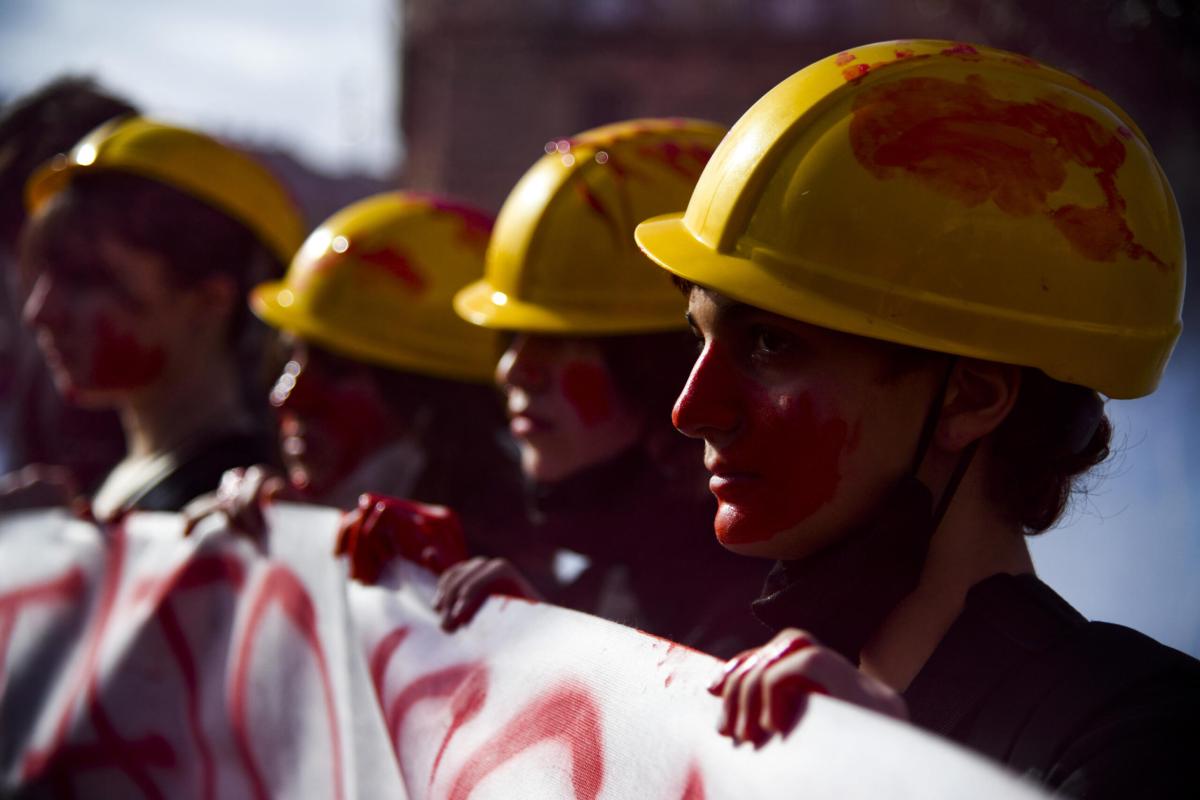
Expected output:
(768, 341)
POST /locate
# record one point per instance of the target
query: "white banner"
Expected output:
(135, 663)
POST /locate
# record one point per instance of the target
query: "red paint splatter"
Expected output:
(120, 361)
(687, 160)
(844, 59)
(60, 760)
(588, 387)
(199, 572)
(693, 789)
(477, 226)
(279, 586)
(960, 141)
(961, 49)
(465, 684)
(903, 53)
(783, 464)
(856, 71)
(381, 656)
(397, 264)
(599, 209)
(668, 680)
(567, 713)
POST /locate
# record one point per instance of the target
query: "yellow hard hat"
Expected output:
(191, 162)
(949, 197)
(375, 283)
(562, 258)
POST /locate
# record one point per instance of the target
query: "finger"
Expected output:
(732, 697)
(476, 587)
(453, 580)
(749, 707)
(785, 691)
(718, 684)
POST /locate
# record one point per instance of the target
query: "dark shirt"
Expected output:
(653, 561)
(201, 470)
(1088, 709)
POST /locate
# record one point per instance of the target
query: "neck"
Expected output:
(201, 398)
(972, 543)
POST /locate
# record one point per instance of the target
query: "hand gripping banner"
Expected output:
(135, 663)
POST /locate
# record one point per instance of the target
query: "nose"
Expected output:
(708, 407)
(43, 306)
(523, 365)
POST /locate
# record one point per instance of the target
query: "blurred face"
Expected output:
(565, 410)
(109, 321)
(331, 417)
(805, 429)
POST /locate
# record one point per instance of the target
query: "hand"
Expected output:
(42, 486)
(463, 588)
(241, 496)
(383, 528)
(765, 690)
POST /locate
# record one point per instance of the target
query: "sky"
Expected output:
(316, 77)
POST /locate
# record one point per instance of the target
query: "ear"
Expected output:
(978, 398)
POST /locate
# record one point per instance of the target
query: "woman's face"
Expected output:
(805, 429)
(564, 408)
(332, 416)
(109, 321)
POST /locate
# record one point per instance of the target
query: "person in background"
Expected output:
(595, 350)
(385, 391)
(140, 245)
(914, 268)
(36, 427)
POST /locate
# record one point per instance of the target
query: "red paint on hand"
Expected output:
(961, 141)
(567, 713)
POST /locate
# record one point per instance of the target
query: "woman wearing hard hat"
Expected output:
(596, 350)
(915, 268)
(386, 391)
(139, 247)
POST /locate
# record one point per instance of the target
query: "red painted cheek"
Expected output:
(343, 423)
(793, 454)
(120, 361)
(588, 389)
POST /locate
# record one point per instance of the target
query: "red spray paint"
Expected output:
(381, 656)
(61, 760)
(960, 141)
(280, 586)
(694, 788)
(588, 388)
(567, 713)
(200, 572)
(120, 361)
(465, 683)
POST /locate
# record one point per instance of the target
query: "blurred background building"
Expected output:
(459, 96)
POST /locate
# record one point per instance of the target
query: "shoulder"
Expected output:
(1088, 707)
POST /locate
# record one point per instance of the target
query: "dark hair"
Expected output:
(194, 240)
(1055, 433)
(38, 126)
(650, 370)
